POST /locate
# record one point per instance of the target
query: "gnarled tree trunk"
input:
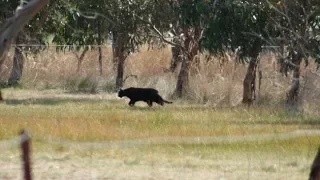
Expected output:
(191, 48)
(183, 78)
(249, 83)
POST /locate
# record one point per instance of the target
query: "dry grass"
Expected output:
(103, 117)
(217, 82)
(100, 117)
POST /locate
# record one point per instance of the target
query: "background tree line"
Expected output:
(196, 26)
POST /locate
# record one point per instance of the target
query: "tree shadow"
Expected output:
(55, 101)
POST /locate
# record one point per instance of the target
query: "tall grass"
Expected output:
(216, 82)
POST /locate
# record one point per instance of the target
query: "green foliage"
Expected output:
(242, 25)
(297, 22)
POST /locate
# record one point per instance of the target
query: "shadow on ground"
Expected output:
(55, 101)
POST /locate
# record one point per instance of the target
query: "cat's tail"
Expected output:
(169, 102)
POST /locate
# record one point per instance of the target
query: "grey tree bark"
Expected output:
(191, 48)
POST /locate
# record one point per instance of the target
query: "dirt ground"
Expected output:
(241, 166)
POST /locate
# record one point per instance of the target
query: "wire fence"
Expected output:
(28, 163)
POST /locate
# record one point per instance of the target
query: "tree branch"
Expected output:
(161, 36)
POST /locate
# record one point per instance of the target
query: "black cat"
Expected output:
(147, 95)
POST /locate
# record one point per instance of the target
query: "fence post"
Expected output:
(25, 147)
(315, 168)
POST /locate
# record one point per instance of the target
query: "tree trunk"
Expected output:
(13, 25)
(120, 58)
(114, 49)
(100, 60)
(292, 95)
(18, 62)
(120, 70)
(191, 48)
(99, 48)
(183, 78)
(80, 59)
(177, 54)
(176, 58)
(249, 83)
(283, 65)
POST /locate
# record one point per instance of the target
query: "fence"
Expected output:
(24, 140)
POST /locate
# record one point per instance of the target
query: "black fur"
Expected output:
(148, 95)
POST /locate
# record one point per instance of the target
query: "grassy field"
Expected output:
(102, 117)
(107, 117)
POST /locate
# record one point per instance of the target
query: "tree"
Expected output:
(128, 32)
(297, 22)
(243, 27)
(183, 18)
(14, 24)
(28, 34)
(93, 21)
(77, 24)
